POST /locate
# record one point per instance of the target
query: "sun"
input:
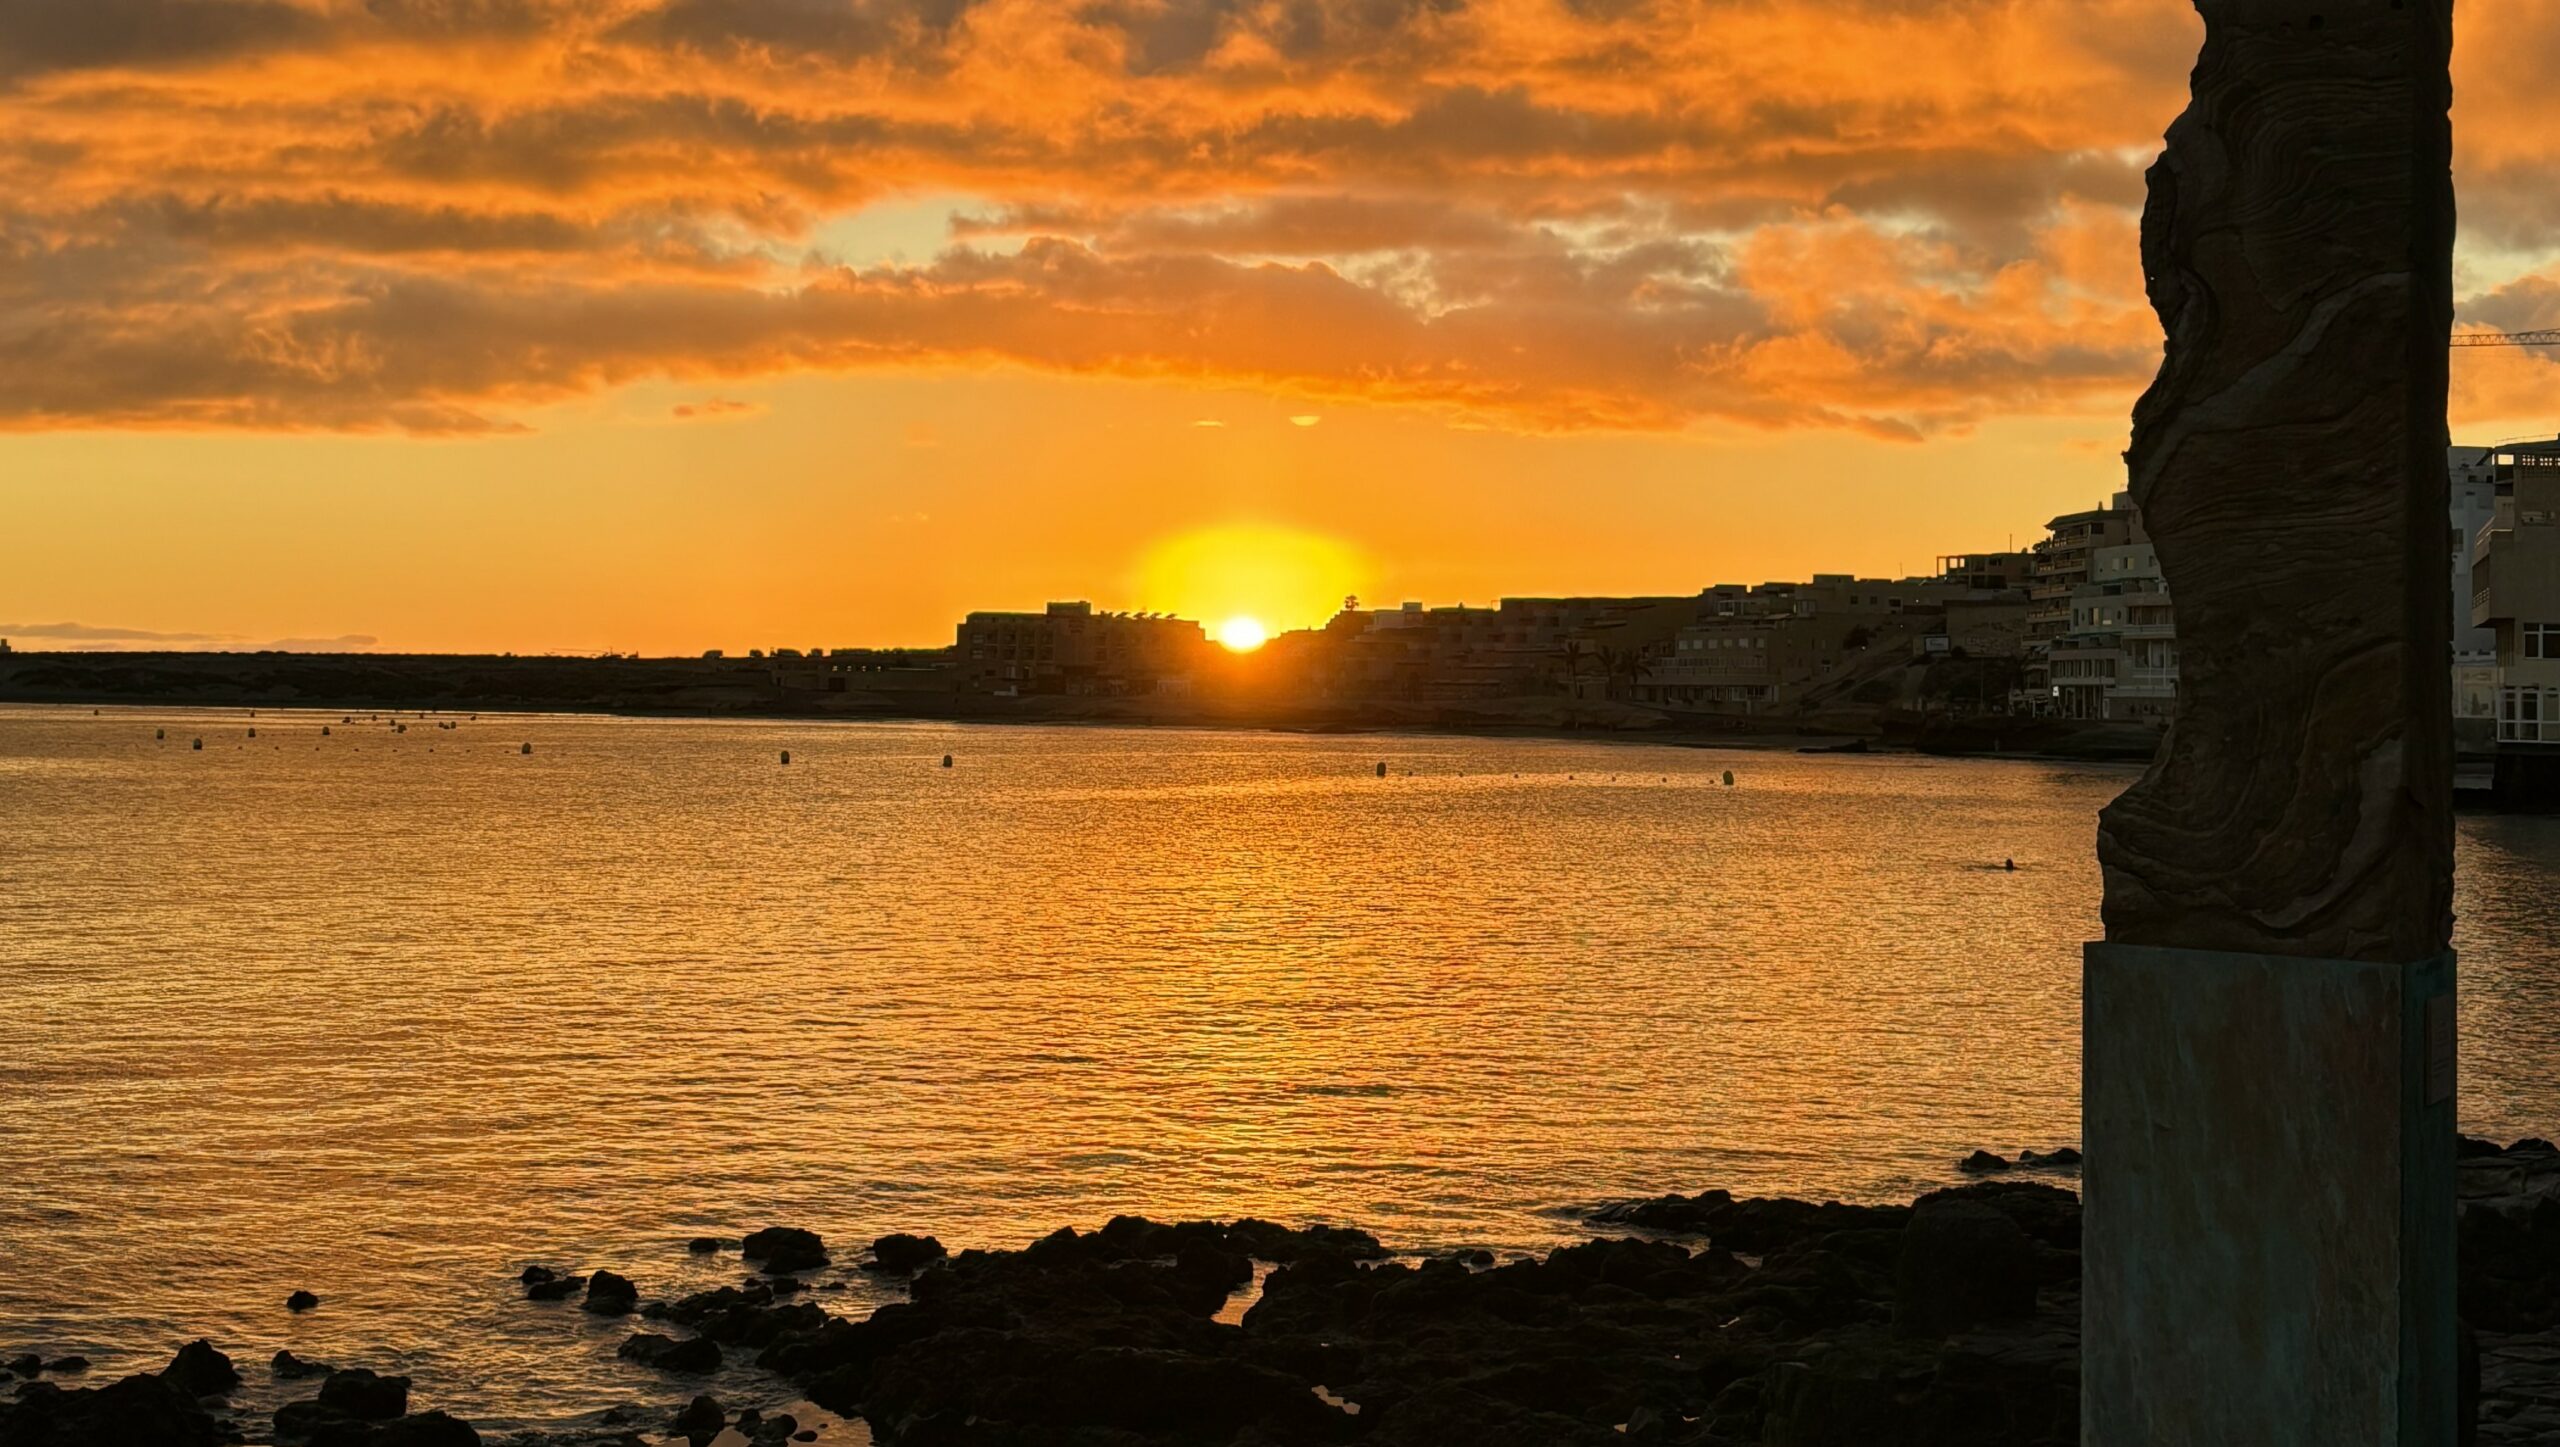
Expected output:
(1243, 635)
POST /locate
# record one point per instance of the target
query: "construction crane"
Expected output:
(2507, 339)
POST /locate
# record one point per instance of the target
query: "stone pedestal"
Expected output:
(2269, 1252)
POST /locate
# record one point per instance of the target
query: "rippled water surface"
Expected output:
(388, 1015)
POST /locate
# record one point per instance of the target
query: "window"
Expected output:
(2542, 640)
(2522, 713)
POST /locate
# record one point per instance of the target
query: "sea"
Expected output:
(386, 1007)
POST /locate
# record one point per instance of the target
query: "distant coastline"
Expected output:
(691, 688)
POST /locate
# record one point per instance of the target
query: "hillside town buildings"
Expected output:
(2079, 626)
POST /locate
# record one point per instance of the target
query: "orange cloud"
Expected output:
(428, 214)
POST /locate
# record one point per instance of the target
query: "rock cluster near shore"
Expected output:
(1700, 1321)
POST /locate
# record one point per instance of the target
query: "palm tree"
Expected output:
(1612, 663)
(1636, 667)
(1573, 654)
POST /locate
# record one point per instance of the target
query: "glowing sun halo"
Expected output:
(1242, 634)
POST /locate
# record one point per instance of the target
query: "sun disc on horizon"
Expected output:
(1243, 635)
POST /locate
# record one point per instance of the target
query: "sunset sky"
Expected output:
(675, 324)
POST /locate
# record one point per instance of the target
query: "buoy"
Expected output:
(946, 761)
(399, 728)
(1728, 778)
(199, 746)
(253, 733)
(1382, 768)
(526, 749)
(2010, 865)
(159, 733)
(324, 731)
(786, 756)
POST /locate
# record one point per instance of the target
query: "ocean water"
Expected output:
(387, 1015)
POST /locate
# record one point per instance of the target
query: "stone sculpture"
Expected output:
(2289, 463)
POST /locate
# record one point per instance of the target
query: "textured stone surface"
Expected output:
(2289, 464)
(2268, 1230)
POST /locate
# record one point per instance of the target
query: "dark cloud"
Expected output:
(91, 633)
(37, 36)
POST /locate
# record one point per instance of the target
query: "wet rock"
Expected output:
(145, 1409)
(67, 1366)
(703, 1245)
(785, 1248)
(611, 1294)
(694, 1356)
(25, 1365)
(899, 1254)
(1982, 1163)
(1962, 1263)
(201, 1371)
(285, 1364)
(702, 1415)
(363, 1393)
(301, 1301)
(541, 1283)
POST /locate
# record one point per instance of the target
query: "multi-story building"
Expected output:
(2472, 493)
(2515, 594)
(1991, 572)
(1749, 663)
(2060, 570)
(2101, 636)
(1070, 648)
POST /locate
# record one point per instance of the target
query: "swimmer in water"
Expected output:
(2010, 865)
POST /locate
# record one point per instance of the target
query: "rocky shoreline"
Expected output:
(1690, 1321)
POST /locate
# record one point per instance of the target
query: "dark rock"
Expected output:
(1981, 1163)
(2533, 1146)
(703, 1245)
(362, 1393)
(785, 1248)
(300, 1421)
(24, 1365)
(703, 1415)
(139, 1411)
(201, 1371)
(695, 1356)
(1962, 1263)
(286, 1364)
(541, 1283)
(67, 1365)
(2471, 1147)
(776, 1428)
(899, 1254)
(301, 1301)
(426, 1429)
(611, 1294)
